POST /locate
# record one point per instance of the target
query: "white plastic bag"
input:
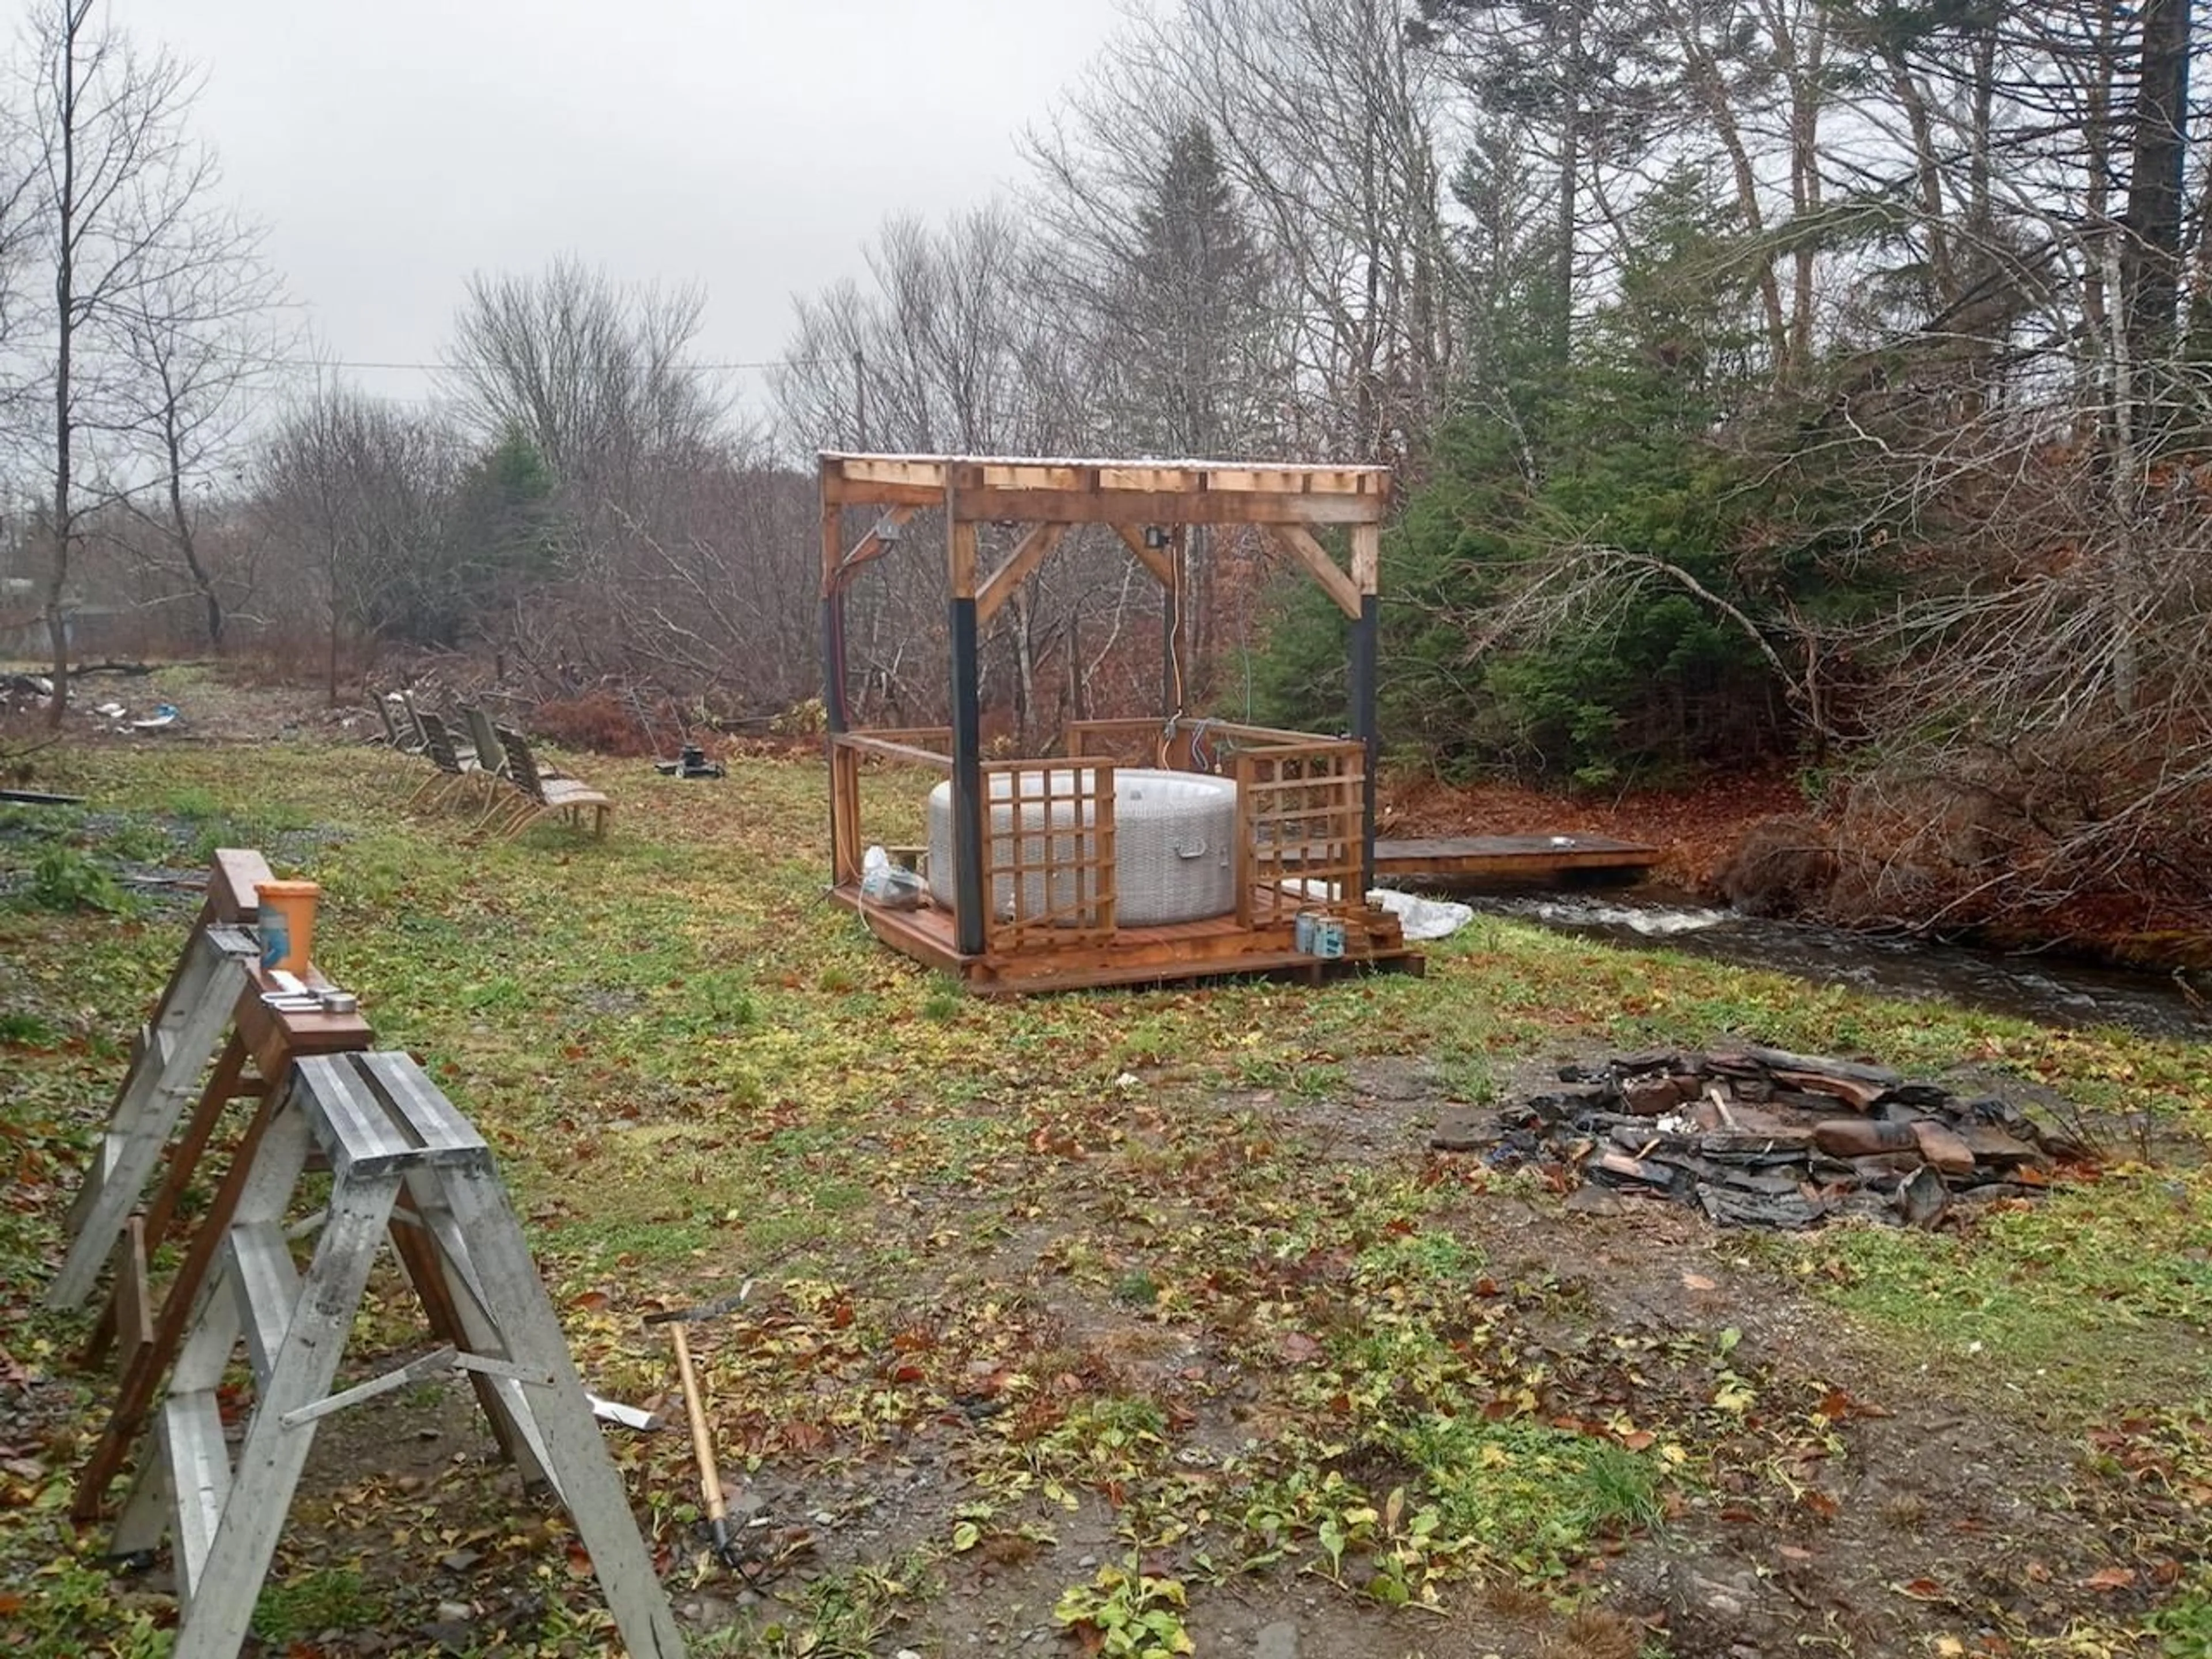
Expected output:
(1423, 918)
(886, 886)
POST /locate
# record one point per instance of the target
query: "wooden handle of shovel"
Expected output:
(702, 1446)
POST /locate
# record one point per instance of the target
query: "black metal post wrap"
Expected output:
(967, 804)
(832, 703)
(1365, 634)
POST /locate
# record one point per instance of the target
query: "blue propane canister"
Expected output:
(1328, 937)
(1302, 932)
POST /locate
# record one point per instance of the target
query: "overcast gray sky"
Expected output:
(393, 146)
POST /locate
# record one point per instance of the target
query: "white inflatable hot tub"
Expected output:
(1174, 854)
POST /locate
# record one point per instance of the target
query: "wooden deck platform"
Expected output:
(1214, 948)
(1556, 859)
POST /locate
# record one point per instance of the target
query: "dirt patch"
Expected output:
(214, 704)
(1929, 1502)
(1385, 1109)
(1290, 1621)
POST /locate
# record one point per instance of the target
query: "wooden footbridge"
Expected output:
(1561, 860)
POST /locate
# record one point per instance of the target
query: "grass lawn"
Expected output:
(1119, 1322)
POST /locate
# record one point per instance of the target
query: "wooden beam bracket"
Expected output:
(1301, 544)
(1001, 585)
(1154, 559)
(873, 545)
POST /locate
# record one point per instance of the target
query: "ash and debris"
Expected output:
(1764, 1138)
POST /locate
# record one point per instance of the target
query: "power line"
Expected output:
(294, 361)
(702, 368)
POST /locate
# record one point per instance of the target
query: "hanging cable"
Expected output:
(1171, 644)
(1201, 759)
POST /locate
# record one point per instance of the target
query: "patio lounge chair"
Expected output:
(455, 770)
(543, 794)
(491, 755)
(500, 800)
(411, 718)
(405, 738)
(491, 758)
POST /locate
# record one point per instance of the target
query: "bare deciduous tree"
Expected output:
(1324, 118)
(964, 351)
(358, 489)
(592, 374)
(115, 180)
(208, 340)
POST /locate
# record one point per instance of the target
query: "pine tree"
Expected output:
(503, 529)
(1195, 367)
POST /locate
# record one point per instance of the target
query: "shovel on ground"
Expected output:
(726, 1550)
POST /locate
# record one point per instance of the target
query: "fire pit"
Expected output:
(1764, 1138)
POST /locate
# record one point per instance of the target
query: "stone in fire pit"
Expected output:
(1765, 1138)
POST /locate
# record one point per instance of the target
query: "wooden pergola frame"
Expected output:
(1150, 505)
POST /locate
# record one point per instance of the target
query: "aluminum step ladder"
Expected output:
(402, 1160)
(172, 1050)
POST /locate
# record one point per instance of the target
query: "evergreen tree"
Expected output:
(1623, 463)
(1196, 367)
(1571, 80)
(498, 537)
(504, 521)
(1196, 371)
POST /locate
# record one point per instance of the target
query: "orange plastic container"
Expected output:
(287, 924)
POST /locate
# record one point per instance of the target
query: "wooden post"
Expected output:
(836, 713)
(833, 657)
(968, 806)
(844, 813)
(1366, 638)
(833, 712)
(1248, 773)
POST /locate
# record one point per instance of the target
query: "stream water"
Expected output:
(2037, 988)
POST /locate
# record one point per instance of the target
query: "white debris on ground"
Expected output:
(887, 885)
(1423, 918)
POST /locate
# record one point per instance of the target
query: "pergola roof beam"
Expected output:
(1112, 492)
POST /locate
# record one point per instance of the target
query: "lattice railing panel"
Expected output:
(1302, 809)
(1048, 852)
